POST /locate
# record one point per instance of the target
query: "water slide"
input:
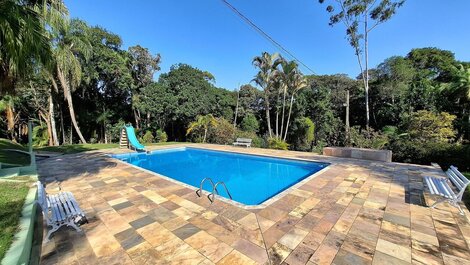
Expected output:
(133, 139)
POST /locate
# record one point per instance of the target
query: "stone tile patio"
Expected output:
(356, 212)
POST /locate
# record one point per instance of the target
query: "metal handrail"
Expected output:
(215, 190)
(202, 183)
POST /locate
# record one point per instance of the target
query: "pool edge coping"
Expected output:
(262, 205)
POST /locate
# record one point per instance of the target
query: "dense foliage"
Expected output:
(82, 86)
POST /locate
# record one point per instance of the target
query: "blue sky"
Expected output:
(209, 36)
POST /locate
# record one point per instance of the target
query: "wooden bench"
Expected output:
(440, 186)
(243, 142)
(59, 210)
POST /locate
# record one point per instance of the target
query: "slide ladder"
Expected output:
(129, 139)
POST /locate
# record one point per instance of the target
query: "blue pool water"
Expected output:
(250, 179)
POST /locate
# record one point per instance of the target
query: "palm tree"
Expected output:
(295, 83)
(289, 69)
(72, 45)
(23, 36)
(202, 122)
(265, 78)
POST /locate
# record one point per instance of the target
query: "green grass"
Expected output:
(12, 157)
(77, 148)
(12, 196)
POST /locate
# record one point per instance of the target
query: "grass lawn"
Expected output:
(12, 157)
(12, 196)
(77, 148)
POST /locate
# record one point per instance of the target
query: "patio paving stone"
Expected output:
(354, 212)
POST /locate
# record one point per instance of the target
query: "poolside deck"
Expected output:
(356, 212)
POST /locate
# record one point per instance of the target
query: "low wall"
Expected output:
(20, 249)
(359, 153)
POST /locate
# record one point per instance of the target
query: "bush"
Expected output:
(275, 143)
(368, 138)
(161, 136)
(302, 134)
(250, 123)
(222, 133)
(147, 138)
(426, 126)
(445, 154)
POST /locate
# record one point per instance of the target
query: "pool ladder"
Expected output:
(214, 189)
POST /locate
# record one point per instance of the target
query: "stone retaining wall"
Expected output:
(359, 153)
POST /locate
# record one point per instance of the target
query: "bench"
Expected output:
(440, 186)
(243, 142)
(59, 210)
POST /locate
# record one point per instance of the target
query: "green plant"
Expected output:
(148, 137)
(427, 126)
(250, 123)
(40, 135)
(199, 128)
(302, 134)
(368, 138)
(161, 136)
(276, 143)
(222, 133)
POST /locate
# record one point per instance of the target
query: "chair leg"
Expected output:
(74, 226)
(49, 233)
(457, 205)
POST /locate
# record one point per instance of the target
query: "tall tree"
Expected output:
(369, 13)
(72, 46)
(23, 36)
(265, 78)
(143, 65)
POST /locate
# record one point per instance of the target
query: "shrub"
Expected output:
(426, 126)
(302, 134)
(275, 143)
(222, 133)
(161, 136)
(445, 154)
(367, 138)
(147, 138)
(250, 123)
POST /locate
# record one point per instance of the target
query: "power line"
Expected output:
(264, 34)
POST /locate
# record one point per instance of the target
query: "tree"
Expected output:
(426, 126)
(294, 81)
(72, 46)
(23, 36)
(353, 12)
(250, 123)
(143, 65)
(265, 78)
(202, 123)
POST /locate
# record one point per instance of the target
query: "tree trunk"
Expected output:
(347, 116)
(288, 116)
(236, 109)
(68, 97)
(268, 118)
(11, 121)
(205, 135)
(55, 140)
(366, 50)
(137, 118)
(62, 126)
(283, 110)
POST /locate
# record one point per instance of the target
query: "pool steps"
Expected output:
(214, 189)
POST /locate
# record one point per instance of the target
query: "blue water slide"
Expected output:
(133, 139)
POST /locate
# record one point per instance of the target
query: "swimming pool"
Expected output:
(250, 179)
